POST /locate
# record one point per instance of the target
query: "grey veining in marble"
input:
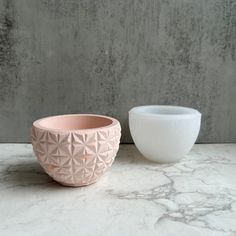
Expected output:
(196, 196)
(106, 56)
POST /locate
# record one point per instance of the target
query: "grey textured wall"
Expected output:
(106, 56)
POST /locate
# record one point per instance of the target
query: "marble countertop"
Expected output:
(196, 196)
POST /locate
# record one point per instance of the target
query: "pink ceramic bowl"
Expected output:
(75, 150)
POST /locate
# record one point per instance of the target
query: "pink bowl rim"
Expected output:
(36, 124)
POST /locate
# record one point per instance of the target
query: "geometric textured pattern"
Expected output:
(77, 157)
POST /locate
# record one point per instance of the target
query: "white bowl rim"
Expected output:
(178, 112)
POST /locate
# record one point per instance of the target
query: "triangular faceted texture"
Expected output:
(76, 158)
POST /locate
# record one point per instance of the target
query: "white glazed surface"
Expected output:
(164, 133)
(194, 197)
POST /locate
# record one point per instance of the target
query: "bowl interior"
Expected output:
(74, 122)
(164, 110)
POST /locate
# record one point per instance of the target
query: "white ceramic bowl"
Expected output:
(164, 133)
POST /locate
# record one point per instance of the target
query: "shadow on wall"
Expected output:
(9, 79)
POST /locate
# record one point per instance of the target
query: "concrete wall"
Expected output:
(106, 56)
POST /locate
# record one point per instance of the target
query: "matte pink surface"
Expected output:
(75, 150)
